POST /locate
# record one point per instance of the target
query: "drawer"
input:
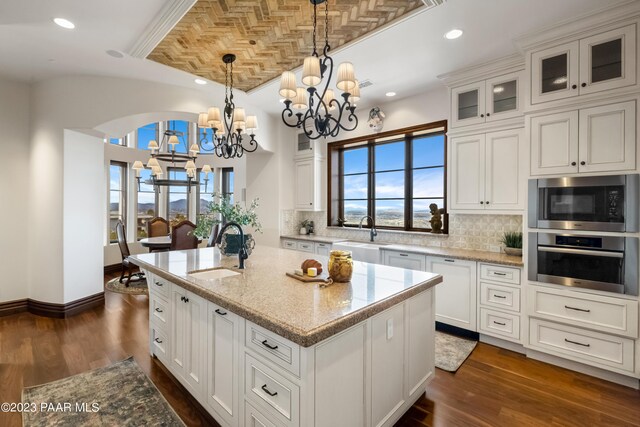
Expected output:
(158, 311)
(606, 314)
(306, 246)
(592, 348)
(278, 350)
(499, 324)
(499, 273)
(253, 418)
(498, 296)
(159, 286)
(159, 343)
(268, 389)
(289, 244)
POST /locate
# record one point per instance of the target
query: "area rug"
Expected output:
(116, 395)
(452, 351)
(138, 287)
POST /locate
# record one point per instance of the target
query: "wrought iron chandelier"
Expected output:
(324, 113)
(166, 152)
(228, 141)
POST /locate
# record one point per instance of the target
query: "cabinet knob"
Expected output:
(583, 163)
(487, 202)
(488, 114)
(573, 163)
(482, 115)
(574, 86)
(310, 203)
(481, 202)
(583, 85)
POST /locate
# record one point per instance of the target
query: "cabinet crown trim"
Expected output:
(484, 70)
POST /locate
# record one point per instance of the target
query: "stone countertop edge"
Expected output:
(463, 254)
(293, 334)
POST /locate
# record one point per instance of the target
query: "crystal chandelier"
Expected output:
(228, 141)
(166, 152)
(324, 113)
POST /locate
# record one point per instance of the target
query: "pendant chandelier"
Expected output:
(229, 131)
(166, 152)
(325, 115)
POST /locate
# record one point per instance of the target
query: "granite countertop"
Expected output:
(301, 312)
(467, 254)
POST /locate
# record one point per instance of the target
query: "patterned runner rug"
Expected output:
(116, 395)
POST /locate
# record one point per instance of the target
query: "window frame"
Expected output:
(335, 174)
(168, 198)
(156, 203)
(124, 195)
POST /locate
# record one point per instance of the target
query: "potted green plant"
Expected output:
(512, 241)
(221, 211)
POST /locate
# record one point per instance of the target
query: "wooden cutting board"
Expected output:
(307, 279)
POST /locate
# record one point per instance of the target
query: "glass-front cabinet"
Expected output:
(600, 62)
(487, 100)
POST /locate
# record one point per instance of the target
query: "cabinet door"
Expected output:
(554, 73)
(421, 332)
(456, 295)
(222, 363)
(404, 260)
(304, 184)
(468, 104)
(554, 143)
(178, 331)
(608, 60)
(504, 180)
(503, 97)
(608, 138)
(196, 337)
(387, 364)
(322, 248)
(467, 173)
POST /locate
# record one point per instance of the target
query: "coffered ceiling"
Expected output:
(267, 36)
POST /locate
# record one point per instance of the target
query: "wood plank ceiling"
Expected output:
(267, 36)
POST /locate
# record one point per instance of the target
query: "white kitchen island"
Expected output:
(261, 349)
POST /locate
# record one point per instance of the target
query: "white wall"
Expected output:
(14, 187)
(83, 207)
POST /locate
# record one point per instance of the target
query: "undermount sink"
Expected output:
(361, 251)
(212, 274)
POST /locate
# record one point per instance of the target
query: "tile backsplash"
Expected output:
(476, 232)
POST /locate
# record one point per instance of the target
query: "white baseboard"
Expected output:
(497, 342)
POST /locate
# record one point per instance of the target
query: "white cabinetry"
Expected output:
(499, 301)
(597, 139)
(456, 296)
(319, 248)
(487, 172)
(308, 184)
(322, 248)
(404, 260)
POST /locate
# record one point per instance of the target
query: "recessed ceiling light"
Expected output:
(200, 81)
(453, 34)
(390, 94)
(115, 53)
(498, 89)
(64, 23)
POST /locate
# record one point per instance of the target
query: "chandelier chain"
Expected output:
(315, 7)
(326, 23)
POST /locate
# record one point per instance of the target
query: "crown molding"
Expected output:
(483, 70)
(580, 24)
(170, 14)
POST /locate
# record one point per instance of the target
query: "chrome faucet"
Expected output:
(242, 252)
(372, 233)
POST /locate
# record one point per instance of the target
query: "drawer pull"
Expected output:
(266, 344)
(221, 313)
(578, 343)
(497, 273)
(266, 390)
(158, 340)
(158, 284)
(499, 323)
(403, 254)
(577, 309)
(450, 260)
(159, 310)
(322, 245)
(499, 296)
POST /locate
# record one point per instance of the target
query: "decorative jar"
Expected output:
(340, 266)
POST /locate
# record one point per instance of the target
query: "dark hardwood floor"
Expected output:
(494, 387)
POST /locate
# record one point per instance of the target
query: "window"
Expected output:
(392, 177)
(178, 197)
(147, 133)
(147, 203)
(182, 127)
(117, 197)
(227, 183)
(205, 191)
(117, 141)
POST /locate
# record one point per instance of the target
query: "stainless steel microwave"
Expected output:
(594, 203)
(604, 263)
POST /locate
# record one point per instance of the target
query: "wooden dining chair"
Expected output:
(183, 237)
(157, 226)
(127, 266)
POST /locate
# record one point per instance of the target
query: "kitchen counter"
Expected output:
(314, 238)
(301, 312)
